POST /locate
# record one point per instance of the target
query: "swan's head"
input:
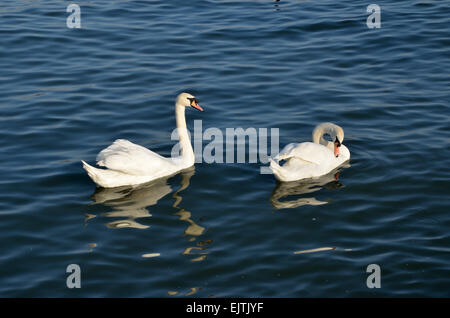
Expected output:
(188, 100)
(337, 145)
(334, 131)
(338, 139)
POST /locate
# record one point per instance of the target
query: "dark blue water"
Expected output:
(224, 229)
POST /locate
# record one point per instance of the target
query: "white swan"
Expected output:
(131, 164)
(312, 159)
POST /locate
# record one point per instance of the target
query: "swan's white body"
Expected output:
(311, 159)
(131, 164)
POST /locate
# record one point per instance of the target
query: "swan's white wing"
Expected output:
(285, 153)
(133, 159)
(306, 151)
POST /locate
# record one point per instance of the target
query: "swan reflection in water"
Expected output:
(132, 203)
(295, 188)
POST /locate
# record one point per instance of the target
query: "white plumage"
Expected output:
(311, 159)
(129, 164)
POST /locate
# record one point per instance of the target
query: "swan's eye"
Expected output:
(193, 100)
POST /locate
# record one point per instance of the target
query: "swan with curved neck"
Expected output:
(312, 159)
(334, 131)
(130, 164)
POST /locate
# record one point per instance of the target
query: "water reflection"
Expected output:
(283, 190)
(193, 228)
(191, 292)
(132, 203)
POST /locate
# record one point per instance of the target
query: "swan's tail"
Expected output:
(276, 169)
(108, 178)
(277, 158)
(92, 172)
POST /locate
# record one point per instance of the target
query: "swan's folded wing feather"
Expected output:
(309, 152)
(286, 152)
(133, 159)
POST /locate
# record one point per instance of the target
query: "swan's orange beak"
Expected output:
(194, 103)
(337, 144)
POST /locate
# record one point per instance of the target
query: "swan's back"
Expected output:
(307, 151)
(306, 160)
(132, 159)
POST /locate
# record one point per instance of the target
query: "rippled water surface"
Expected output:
(224, 229)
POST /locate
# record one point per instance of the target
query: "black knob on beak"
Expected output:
(337, 142)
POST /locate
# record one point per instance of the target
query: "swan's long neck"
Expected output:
(321, 130)
(183, 134)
